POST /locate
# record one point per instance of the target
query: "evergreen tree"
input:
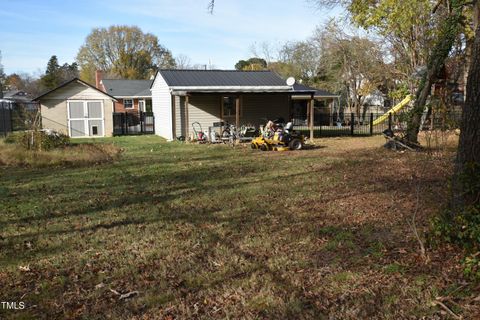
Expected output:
(51, 79)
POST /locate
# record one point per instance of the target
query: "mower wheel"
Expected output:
(295, 144)
(254, 146)
(264, 147)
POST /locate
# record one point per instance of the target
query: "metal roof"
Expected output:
(300, 89)
(127, 88)
(222, 78)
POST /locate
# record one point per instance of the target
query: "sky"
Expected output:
(31, 31)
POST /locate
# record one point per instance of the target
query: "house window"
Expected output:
(128, 103)
(229, 107)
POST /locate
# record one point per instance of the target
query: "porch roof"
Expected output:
(300, 90)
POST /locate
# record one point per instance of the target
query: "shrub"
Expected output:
(38, 140)
(462, 226)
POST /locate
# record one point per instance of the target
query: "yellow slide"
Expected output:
(395, 109)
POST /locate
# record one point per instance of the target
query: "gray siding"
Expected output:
(258, 107)
(180, 116)
(204, 109)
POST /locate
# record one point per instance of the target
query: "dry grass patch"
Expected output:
(71, 155)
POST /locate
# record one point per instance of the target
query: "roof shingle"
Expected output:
(127, 88)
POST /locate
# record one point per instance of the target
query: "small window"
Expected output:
(94, 131)
(128, 103)
(229, 107)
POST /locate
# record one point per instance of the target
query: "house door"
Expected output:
(85, 119)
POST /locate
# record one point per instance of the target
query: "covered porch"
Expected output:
(215, 109)
(212, 110)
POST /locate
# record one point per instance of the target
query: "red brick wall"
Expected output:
(120, 108)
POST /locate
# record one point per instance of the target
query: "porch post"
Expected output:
(174, 118)
(330, 106)
(221, 108)
(312, 116)
(187, 122)
(237, 112)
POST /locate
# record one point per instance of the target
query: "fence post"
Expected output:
(142, 122)
(390, 121)
(4, 120)
(126, 122)
(11, 118)
(352, 123)
(371, 123)
(153, 122)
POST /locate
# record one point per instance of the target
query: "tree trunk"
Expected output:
(468, 153)
(449, 31)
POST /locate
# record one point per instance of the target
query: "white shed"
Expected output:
(77, 109)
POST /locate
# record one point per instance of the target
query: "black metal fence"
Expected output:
(375, 123)
(131, 123)
(17, 116)
(6, 124)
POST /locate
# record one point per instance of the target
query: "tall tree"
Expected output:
(51, 79)
(183, 62)
(351, 64)
(423, 34)
(408, 27)
(25, 82)
(122, 51)
(251, 64)
(466, 182)
(303, 56)
(449, 29)
(56, 74)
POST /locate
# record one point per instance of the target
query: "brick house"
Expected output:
(133, 96)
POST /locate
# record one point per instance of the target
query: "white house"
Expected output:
(182, 97)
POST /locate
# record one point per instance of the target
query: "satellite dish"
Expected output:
(291, 81)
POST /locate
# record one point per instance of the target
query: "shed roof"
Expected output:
(127, 88)
(67, 83)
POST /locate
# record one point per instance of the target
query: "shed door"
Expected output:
(85, 119)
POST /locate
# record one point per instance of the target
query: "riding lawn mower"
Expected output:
(278, 137)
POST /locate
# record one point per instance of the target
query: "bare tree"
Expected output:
(211, 6)
(183, 62)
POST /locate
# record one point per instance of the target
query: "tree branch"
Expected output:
(211, 6)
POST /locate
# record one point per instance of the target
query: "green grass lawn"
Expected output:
(200, 231)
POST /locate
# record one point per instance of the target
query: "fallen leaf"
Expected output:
(24, 268)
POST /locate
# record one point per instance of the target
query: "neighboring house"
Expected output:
(131, 95)
(16, 96)
(20, 100)
(182, 97)
(78, 109)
